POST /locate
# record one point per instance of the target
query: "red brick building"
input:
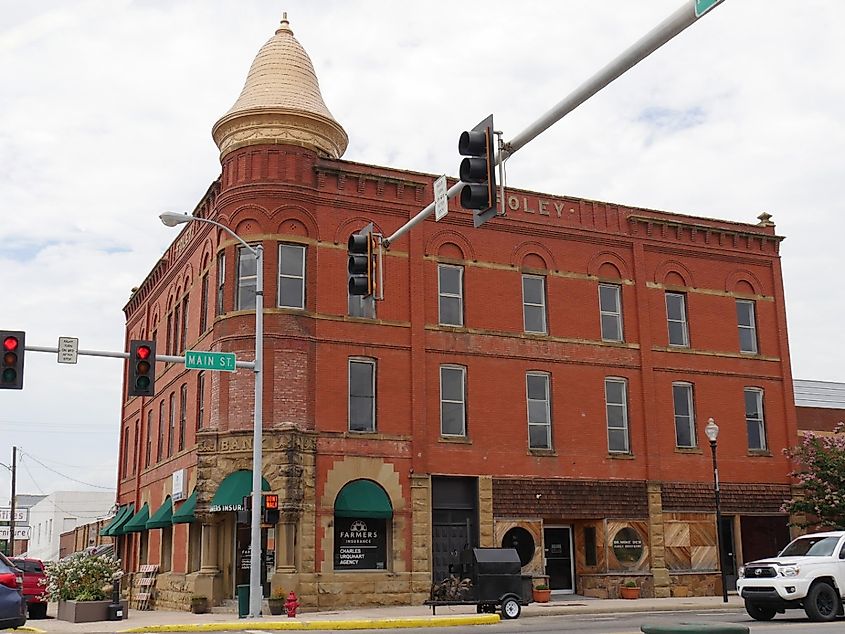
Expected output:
(542, 382)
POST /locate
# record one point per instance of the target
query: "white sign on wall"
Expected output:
(178, 492)
(21, 532)
(21, 515)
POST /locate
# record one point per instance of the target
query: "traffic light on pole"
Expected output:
(361, 264)
(11, 369)
(478, 171)
(271, 508)
(142, 368)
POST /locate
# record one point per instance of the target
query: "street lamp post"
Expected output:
(711, 430)
(171, 219)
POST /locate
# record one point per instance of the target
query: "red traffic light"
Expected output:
(10, 344)
(11, 361)
(143, 352)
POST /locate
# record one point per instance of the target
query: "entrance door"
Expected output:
(242, 558)
(454, 518)
(728, 552)
(557, 541)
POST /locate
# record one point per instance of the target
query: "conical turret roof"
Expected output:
(281, 103)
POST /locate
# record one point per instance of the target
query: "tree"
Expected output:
(821, 476)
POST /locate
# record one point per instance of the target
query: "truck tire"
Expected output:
(822, 602)
(759, 612)
(511, 608)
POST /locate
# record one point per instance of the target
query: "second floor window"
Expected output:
(616, 405)
(204, 304)
(161, 431)
(684, 417)
(747, 326)
(183, 342)
(291, 276)
(200, 400)
(610, 307)
(452, 400)
(539, 411)
(247, 280)
(534, 303)
(171, 426)
(221, 283)
(362, 395)
(148, 454)
(676, 316)
(183, 416)
(754, 419)
(450, 282)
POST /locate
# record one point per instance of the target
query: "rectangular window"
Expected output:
(136, 447)
(610, 308)
(200, 400)
(166, 548)
(452, 400)
(183, 415)
(194, 546)
(747, 323)
(148, 454)
(450, 289)
(616, 403)
(125, 466)
(184, 340)
(291, 276)
(534, 303)
(221, 283)
(204, 304)
(247, 280)
(362, 395)
(169, 341)
(676, 316)
(177, 326)
(590, 551)
(161, 431)
(171, 427)
(539, 410)
(754, 419)
(684, 415)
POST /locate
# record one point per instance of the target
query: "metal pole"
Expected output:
(255, 589)
(718, 521)
(642, 48)
(12, 504)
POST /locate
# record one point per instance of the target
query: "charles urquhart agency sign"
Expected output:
(360, 543)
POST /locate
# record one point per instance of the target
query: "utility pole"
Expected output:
(11, 547)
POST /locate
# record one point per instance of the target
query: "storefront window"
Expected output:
(362, 518)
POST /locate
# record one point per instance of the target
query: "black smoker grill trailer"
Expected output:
(497, 581)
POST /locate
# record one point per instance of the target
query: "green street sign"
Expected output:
(221, 361)
(703, 6)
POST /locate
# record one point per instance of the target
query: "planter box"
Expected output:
(88, 611)
(629, 593)
(541, 596)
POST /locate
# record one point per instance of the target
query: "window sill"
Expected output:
(759, 453)
(542, 453)
(459, 440)
(688, 450)
(620, 456)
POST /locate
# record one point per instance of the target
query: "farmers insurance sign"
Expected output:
(360, 544)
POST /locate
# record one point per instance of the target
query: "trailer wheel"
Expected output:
(511, 608)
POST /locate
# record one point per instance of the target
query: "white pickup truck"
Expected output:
(809, 573)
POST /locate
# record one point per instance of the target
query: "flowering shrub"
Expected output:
(81, 577)
(821, 476)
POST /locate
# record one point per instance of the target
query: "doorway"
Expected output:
(557, 547)
(242, 559)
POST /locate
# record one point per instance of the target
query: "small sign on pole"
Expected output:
(200, 360)
(441, 200)
(703, 6)
(67, 350)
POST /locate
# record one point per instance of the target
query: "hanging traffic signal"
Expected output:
(142, 368)
(11, 368)
(478, 171)
(361, 264)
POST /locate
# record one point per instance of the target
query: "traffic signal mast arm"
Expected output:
(167, 358)
(683, 17)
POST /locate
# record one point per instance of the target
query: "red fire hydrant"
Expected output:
(291, 604)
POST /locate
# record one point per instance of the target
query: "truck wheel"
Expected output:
(511, 608)
(759, 612)
(822, 602)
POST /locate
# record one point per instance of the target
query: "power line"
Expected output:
(96, 486)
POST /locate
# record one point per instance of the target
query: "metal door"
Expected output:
(557, 545)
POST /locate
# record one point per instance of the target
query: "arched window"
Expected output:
(362, 518)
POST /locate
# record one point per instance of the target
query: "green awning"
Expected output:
(162, 517)
(185, 514)
(138, 522)
(363, 498)
(232, 491)
(105, 531)
(117, 527)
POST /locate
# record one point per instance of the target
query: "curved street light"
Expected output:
(172, 219)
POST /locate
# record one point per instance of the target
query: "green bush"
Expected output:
(80, 577)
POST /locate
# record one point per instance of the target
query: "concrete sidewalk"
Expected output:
(373, 618)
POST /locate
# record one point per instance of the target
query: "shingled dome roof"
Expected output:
(281, 103)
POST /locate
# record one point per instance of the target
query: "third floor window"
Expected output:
(291, 276)
(610, 307)
(746, 321)
(676, 317)
(450, 286)
(534, 303)
(247, 280)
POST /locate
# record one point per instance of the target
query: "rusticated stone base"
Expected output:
(608, 586)
(696, 584)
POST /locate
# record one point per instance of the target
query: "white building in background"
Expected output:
(60, 512)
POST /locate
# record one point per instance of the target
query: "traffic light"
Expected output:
(478, 171)
(361, 264)
(270, 508)
(142, 368)
(11, 370)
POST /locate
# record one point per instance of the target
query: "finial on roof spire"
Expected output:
(284, 25)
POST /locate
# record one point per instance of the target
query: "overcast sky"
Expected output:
(106, 110)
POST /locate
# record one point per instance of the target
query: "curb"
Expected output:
(350, 624)
(562, 610)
